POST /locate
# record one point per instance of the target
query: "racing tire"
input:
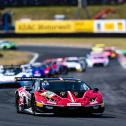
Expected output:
(79, 70)
(33, 105)
(19, 108)
(83, 70)
(4, 47)
(64, 70)
(105, 65)
(13, 48)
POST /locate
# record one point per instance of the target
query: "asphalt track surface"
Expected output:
(110, 80)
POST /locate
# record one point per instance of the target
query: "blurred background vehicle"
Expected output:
(75, 63)
(97, 59)
(37, 25)
(7, 45)
(9, 72)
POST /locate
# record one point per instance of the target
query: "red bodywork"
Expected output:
(43, 98)
(110, 53)
(87, 99)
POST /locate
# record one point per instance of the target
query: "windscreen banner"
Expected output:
(110, 26)
(54, 26)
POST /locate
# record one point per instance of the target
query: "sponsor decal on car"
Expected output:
(73, 104)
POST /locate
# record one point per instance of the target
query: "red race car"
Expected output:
(58, 95)
(110, 53)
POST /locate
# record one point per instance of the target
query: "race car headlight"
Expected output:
(102, 105)
(49, 107)
(96, 107)
(46, 71)
(38, 104)
(78, 66)
(93, 102)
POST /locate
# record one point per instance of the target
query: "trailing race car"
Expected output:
(7, 45)
(58, 95)
(56, 66)
(75, 63)
(110, 53)
(9, 72)
(98, 47)
(97, 59)
(39, 70)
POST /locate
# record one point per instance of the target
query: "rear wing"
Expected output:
(11, 66)
(40, 78)
(28, 78)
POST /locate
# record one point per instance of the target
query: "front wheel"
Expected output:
(4, 47)
(19, 107)
(33, 105)
(64, 70)
(79, 70)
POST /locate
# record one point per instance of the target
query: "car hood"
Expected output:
(98, 60)
(69, 98)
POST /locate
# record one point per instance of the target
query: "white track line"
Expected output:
(35, 57)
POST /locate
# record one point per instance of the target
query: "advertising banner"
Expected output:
(54, 26)
(109, 26)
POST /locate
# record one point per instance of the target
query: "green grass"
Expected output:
(14, 57)
(119, 43)
(69, 12)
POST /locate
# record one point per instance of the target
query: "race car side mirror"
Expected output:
(28, 88)
(95, 90)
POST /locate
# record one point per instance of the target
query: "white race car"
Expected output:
(8, 74)
(75, 63)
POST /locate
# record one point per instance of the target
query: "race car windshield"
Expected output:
(44, 66)
(100, 57)
(73, 61)
(64, 86)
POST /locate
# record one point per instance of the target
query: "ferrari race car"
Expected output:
(58, 95)
(97, 59)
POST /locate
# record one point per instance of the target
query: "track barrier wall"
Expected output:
(66, 28)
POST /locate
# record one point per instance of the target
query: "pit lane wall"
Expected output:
(70, 26)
